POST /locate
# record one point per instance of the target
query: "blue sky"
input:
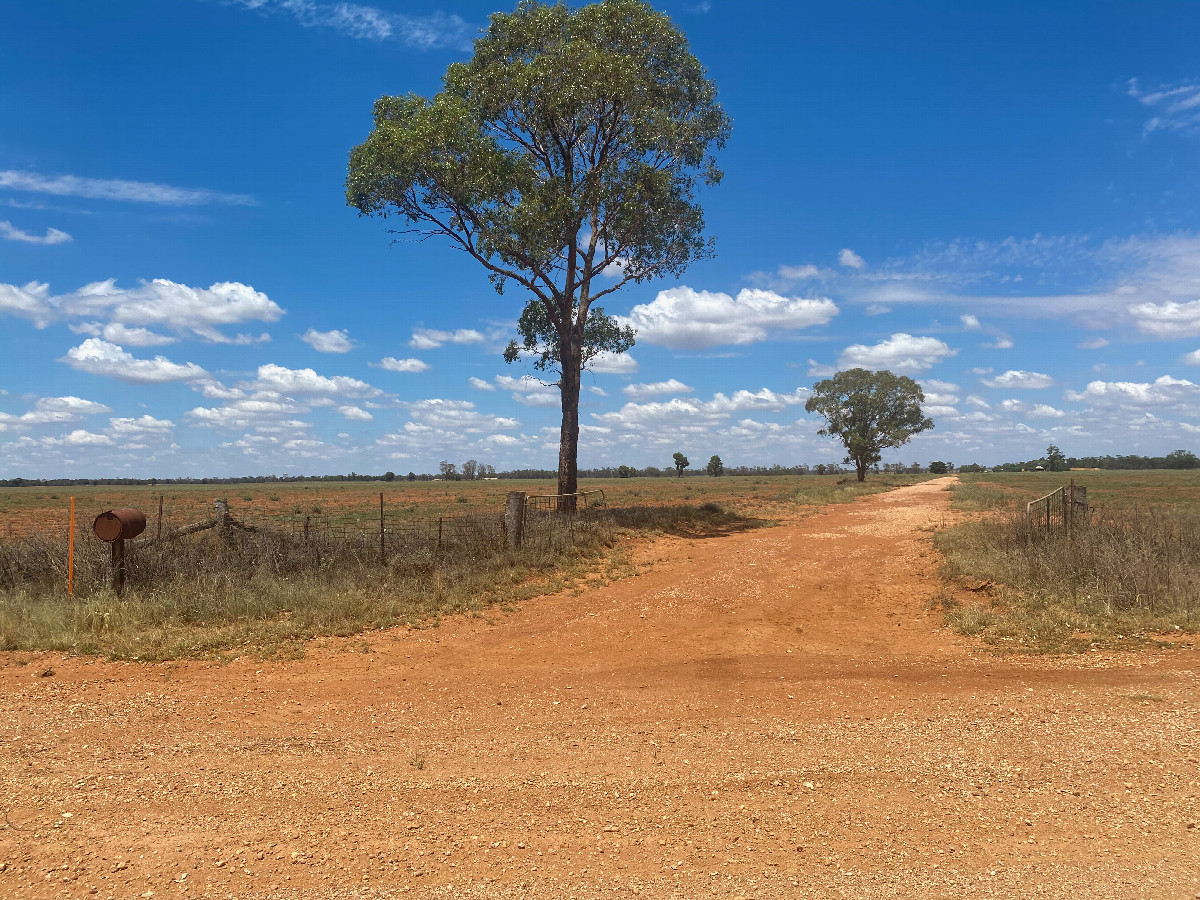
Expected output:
(1001, 200)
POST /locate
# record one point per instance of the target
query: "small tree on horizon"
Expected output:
(681, 463)
(715, 467)
(1055, 460)
(869, 412)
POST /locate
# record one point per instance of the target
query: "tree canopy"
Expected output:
(870, 412)
(564, 157)
(681, 463)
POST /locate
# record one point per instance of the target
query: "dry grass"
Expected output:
(1132, 574)
(266, 592)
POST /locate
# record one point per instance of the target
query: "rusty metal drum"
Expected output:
(119, 524)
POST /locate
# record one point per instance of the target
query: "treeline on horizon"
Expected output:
(1178, 459)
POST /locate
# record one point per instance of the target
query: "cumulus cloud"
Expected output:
(850, 259)
(409, 365)
(970, 322)
(272, 377)
(1165, 393)
(820, 370)
(1167, 320)
(1045, 411)
(682, 318)
(52, 410)
(431, 338)
(1019, 378)
(187, 311)
(356, 413)
(113, 189)
(901, 352)
(328, 341)
(1092, 344)
(608, 363)
(1193, 358)
(457, 415)
(797, 273)
(140, 428)
(99, 357)
(10, 232)
(124, 334)
(530, 391)
(655, 388)
(480, 385)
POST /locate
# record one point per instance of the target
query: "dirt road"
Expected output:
(770, 714)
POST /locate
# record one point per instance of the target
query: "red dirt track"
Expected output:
(767, 714)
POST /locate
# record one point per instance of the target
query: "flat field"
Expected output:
(1107, 489)
(46, 510)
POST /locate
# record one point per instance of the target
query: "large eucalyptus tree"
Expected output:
(564, 157)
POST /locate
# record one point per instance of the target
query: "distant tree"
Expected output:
(412, 476)
(389, 476)
(489, 471)
(469, 469)
(565, 157)
(971, 467)
(626, 472)
(1182, 459)
(715, 467)
(681, 463)
(821, 468)
(869, 412)
(937, 467)
(448, 469)
(1055, 460)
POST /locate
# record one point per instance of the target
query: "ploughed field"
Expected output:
(775, 712)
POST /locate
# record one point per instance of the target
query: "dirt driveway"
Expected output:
(771, 714)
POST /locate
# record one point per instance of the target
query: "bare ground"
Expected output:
(768, 714)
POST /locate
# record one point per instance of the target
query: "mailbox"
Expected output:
(119, 524)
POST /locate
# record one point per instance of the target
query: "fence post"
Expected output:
(514, 518)
(118, 566)
(381, 547)
(71, 553)
(158, 535)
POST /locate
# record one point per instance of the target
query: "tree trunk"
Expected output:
(568, 441)
(861, 467)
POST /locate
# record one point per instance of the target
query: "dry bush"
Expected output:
(1123, 573)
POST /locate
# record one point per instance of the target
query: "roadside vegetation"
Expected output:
(1128, 576)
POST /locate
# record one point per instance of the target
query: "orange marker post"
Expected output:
(71, 554)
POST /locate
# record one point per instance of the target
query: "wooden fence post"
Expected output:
(381, 530)
(71, 553)
(118, 566)
(514, 518)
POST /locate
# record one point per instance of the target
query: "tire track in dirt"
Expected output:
(768, 714)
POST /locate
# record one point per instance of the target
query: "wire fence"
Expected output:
(1063, 509)
(244, 545)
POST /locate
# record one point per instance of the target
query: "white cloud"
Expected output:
(1002, 342)
(431, 338)
(272, 377)
(608, 363)
(459, 415)
(530, 391)
(1193, 358)
(111, 189)
(81, 438)
(970, 322)
(410, 365)
(850, 259)
(796, 273)
(901, 353)
(1167, 320)
(1176, 106)
(820, 370)
(124, 335)
(1044, 411)
(99, 357)
(188, 311)
(652, 389)
(1018, 378)
(876, 309)
(480, 385)
(1092, 344)
(141, 428)
(53, 236)
(683, 318)
(357, 20)
(1165, 393)
(53, 410)
(356, 413)
(328, 341)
